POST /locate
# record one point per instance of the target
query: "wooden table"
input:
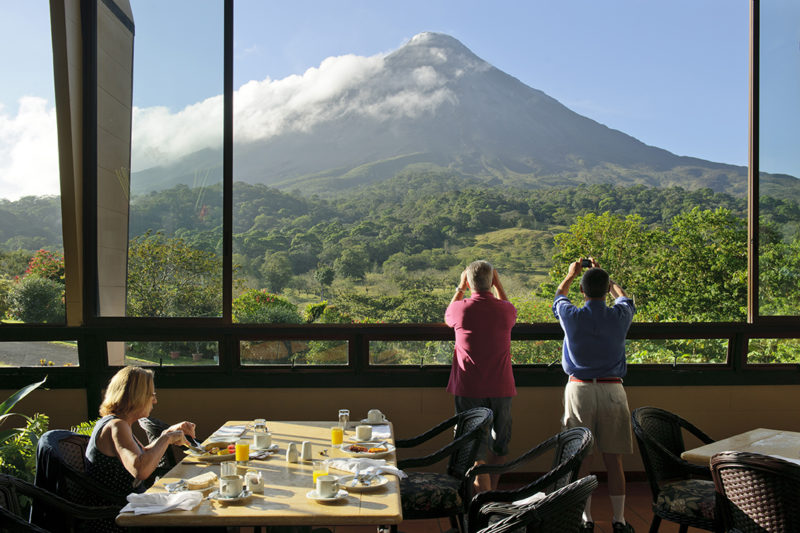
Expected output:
(284, 500)
(763, 441)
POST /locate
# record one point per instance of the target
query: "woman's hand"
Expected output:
(184, 427)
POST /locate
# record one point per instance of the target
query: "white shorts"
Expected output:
(603, 408)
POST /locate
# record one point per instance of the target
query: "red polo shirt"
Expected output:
(482, 361)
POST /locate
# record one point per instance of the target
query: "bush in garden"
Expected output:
(260, 306)
(46, 264)
(37, 299)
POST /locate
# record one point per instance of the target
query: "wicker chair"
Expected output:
(11, 513)
(758, 493)
(432, 494)
(569, 448)
(560, 511)
(682, 492)
(153, 427)
(61, 469)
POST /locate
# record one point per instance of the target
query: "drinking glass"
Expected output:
(320, 469)
(344, 418)
(242, 451)
(337, 436)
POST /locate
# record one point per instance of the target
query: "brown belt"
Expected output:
(596, 380)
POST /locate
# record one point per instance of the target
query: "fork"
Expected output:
(355, 477)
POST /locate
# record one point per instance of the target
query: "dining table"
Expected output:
(777, 442)
(288, 497)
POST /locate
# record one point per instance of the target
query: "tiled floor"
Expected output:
(637, 513)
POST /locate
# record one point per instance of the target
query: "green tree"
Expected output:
(324, 276)
(352, 263)
(37, 299)
(276, 270)
(259, 306)
(169, 278)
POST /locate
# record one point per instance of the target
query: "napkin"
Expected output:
(260, 454)
(366, 466)
(229, 432)
(161, 502)
(381, 432)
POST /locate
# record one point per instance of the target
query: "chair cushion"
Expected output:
(430, 493)
(690, 497)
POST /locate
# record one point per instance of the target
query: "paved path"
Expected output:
(30, 353)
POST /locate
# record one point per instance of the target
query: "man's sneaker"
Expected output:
(619, 527)
(587, 526)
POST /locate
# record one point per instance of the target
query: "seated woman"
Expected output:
(116, 457)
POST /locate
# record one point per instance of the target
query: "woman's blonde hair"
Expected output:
(128, 391)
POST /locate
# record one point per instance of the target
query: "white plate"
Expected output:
(366, 421)
(313, 495)
(375, 483)
(244, 495)
(347, 449)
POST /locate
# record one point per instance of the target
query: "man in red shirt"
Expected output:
(481, 374)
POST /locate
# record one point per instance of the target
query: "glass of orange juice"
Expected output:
(320, 469)
(337, 435)
(242, 451)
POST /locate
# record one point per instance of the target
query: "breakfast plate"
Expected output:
(314, 495)
(216, 496)
(362, 450)
(375, 482)
(210, 457)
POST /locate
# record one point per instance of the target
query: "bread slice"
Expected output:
(201, 481)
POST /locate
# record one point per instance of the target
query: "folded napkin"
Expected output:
(381, 432)
(161, 502)
(229, 432)
(260, 454)
(365, 466)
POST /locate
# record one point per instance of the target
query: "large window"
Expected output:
(32, 286)
(779, 158)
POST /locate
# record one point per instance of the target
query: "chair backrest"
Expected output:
(572, 447)
(757, 493)
(153, 427)
(473, 425)
(660, 439)
(561, 510)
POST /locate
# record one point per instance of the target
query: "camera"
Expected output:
(586, 263)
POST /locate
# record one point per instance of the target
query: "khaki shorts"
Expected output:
(603, 408)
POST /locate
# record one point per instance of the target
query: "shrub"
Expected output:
(259, 306)
(37, 299)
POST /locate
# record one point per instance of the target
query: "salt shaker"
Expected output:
(305, 451)
(291, 453)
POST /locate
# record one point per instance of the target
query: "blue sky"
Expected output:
(672, 74)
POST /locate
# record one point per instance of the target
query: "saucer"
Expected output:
(244, 495)
(314, 495)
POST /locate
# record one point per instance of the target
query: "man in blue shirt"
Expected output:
(594, 358)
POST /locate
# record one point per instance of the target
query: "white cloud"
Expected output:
(262, 109)
(28, 150)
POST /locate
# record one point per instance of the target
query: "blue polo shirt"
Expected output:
(594, 336)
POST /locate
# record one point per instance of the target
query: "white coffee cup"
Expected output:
(363, 433)
(374, 416)
(262, 440)
(227, 468)
(254, 481)
(231, 486)
(305, 451)
(327, 486)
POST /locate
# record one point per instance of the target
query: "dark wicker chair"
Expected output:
(758, 493)
(61, 469)
(569, 448)
(682, 492)
(432, 494)
(560, 511)
(153, 427)
(11, 513)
